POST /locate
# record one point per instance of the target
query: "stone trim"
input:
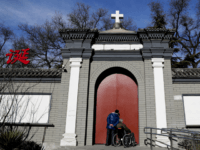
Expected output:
(161, 116)
(57, 80)
(70, 127)
(117, 55)
(185, 81)
(117, 37)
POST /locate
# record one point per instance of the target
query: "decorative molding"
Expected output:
(69, 34)
(156, 42)
(157, 62)
(156, 30)
(157, 53)
(74, 53)
(40, 80)
(185, 74)
(117, 55)
(29, 73)
(78, 38)
(186, 81)
(119, 37)
(75, 62)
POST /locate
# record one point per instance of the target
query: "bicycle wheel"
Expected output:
(126, 140)
(116, 140)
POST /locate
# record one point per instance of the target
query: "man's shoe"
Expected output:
(106, 145)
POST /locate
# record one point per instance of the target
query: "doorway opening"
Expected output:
(116, 88)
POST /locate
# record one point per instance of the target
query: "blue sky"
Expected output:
(14, 12)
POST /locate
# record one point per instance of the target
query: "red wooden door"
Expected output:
(120, 92)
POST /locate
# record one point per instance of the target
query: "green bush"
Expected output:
(10, 139)
(30, 145)
(188, 144)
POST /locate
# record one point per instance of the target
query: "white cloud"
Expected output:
(26, 12)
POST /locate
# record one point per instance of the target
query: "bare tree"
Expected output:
(58, 22)
(81, 17)
(186, 39)
(6, 35)
(187, 35)
(45, 43)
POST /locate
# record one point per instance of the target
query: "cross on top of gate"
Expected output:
(117, 16)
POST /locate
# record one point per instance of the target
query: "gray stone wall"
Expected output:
(150, 93)
(169, 101)
(137, 69)
(150, 96)
(179, 89)
(62, 105)
(41, 88)
(82, 103)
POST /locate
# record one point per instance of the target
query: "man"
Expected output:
(112, 121)
(122, 125)
(128, 131)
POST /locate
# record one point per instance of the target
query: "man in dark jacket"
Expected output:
(122, 125)
(128, 131)
(112, 121)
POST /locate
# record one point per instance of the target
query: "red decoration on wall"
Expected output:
(18, 56)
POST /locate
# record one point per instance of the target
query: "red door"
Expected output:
(120, 92)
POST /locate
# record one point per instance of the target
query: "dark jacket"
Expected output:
(122, 125)
(112, 118)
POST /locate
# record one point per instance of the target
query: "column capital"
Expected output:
(75, 62)
(157, 62)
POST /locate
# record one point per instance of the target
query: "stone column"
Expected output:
(161, 120)
(70, 135)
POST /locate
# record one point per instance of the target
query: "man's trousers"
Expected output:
(110, 135)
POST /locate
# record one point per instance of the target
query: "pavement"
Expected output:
(103, 147)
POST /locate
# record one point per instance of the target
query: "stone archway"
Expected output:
(91, 100)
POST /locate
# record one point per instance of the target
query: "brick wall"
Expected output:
(150, 95)
(169, 102)
(40, 88)
(179, 89)
(82, 103)
(62, 104)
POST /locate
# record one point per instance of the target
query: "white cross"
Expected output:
(117, 16)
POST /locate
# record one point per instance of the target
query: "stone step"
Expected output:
(103, 147)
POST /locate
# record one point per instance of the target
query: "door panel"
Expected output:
(116, 91)
(106, 97)
(127, 103)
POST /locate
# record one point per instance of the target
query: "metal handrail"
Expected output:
(169, 132)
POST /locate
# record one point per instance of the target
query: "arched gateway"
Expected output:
(116, 91)
(97, 84)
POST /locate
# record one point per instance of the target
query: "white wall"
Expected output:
(25, 108)
(117, 46)
(192, 109)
